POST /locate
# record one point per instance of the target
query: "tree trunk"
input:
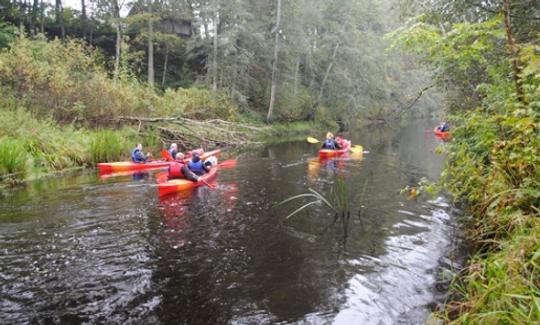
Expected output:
(513, 52)
(274, 66)
(118, 40)
(296, 72)
(42, 17)
(33, 23)
(327, 72)
(214, 56)
(151, 78)
(59, 12)
(165, 66)
(83, 19)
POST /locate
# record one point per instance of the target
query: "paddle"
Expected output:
(166, 154)
(312, 140)
(206, 183)
(231, 163)
(353, 149)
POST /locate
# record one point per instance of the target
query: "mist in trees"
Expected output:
(278, 60)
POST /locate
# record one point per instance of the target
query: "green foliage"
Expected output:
(66, 81)
(7, 33)
(13, 158)
(493, 165)
(468, 60)
(107, 145)
(32, 147)
(198, 104)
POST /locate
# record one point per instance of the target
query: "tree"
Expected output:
(274, 64)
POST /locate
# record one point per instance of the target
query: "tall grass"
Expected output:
(107, 145)
(13, 158)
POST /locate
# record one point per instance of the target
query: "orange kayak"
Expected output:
(181, 184)
(125, 166)
(441, 134)
(329, 153)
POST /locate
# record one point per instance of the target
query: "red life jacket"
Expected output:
(175, 170)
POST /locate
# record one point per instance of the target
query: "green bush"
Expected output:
(13, 157)
(66, 81)
(107, 145)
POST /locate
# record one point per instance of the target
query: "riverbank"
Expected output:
(32, 148)
(493, 169)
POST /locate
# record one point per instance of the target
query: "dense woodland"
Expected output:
(335, 62)
(276, 60)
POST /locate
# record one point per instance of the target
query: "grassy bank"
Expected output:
(31, 148)
(493, 163)
(494, 168)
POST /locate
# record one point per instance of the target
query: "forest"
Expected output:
(81, 83)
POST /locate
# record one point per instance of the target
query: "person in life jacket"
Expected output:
(194, 168)
(443, 127)
(179, 157)
(330, 143)
(173, 150)
(342, 143)
(137, 155)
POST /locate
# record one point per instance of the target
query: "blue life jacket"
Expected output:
(329, 144)
(173, 153)
(445, 127)
(137, 156)
(196, 167)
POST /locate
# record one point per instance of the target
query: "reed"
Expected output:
(13, 158)
(107, 145)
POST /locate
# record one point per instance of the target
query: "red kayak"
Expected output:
(329, 153)
(441, 134)
(125, 166)
(180, 184)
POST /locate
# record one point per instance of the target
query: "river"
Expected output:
(87, 249)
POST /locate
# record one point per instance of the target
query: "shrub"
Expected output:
(13, 157)
(107, 145)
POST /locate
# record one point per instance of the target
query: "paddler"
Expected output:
(196, 167)
(173, 150)
(175, 168)
(330, 143)
(137, 155)
(443, 127)
(341, 142)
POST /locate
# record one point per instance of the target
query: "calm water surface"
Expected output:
(85, 249)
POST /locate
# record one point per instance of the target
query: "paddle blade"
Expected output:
(357, 149)
(312, 140)
(208, 184)
(166, 154)
(231, 163)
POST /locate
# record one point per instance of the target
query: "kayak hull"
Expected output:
(329, 153)
(441, 134)
(182, 184)
(126, 166)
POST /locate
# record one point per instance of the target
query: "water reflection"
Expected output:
(85, 249)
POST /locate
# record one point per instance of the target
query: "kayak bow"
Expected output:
(328, 153)
(181, 184)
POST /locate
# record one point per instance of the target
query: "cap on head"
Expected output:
(179, 156)
(195, 157)
(174, 145)
(329, 135)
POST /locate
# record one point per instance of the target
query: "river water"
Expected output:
(86, 249)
